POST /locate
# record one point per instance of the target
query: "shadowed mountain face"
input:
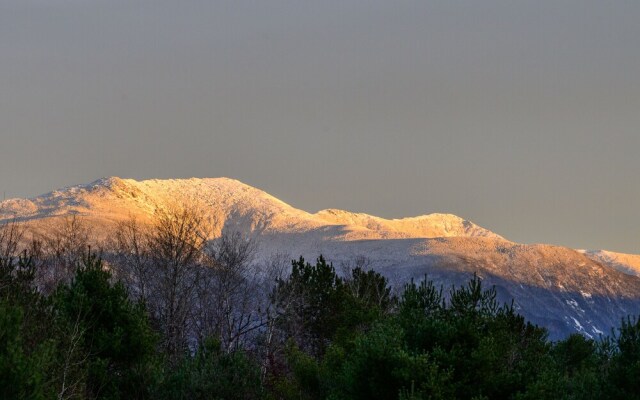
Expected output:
(563, 289)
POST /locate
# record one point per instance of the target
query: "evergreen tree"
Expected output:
(27, 340)
(212, 374)
(115, 336)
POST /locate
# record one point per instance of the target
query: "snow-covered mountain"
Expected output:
(231, 203)
(563, 289)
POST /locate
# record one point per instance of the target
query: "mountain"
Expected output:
(229, 202)
(561, 288)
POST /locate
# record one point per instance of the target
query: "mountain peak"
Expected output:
(227, 200)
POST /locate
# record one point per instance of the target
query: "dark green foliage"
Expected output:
(23, 368)
(310, 311)
(573, 369)
(317, 293)
(422, 300)
(507, 357)
(305, 370)
(468, 346)
(371, 290)
(575, 353)
(27, 350)
(465, 347)
(365, 297)
(380, 366)
(113, 332)
(17, 289)
(316, 305)
(419, 313)
(624, 374)
(212, 374)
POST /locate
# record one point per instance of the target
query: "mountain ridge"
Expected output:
(143, 197)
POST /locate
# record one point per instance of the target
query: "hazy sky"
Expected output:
(522, 116)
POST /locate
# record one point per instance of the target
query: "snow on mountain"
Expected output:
(560, 288)
(230, 203)
(553, 286)
(425, 226)
(627, 263)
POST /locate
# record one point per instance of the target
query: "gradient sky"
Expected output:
(522, 116)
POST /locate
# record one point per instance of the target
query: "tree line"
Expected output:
(158, 311)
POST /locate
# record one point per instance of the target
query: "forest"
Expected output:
(158, 311)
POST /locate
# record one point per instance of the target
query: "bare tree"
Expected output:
(130, 257)
(74, 363)
(228, 291)
(275, 269)
(11, 235)
(194, 289)
(61, 248)
(365, 284)
(175, 247)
